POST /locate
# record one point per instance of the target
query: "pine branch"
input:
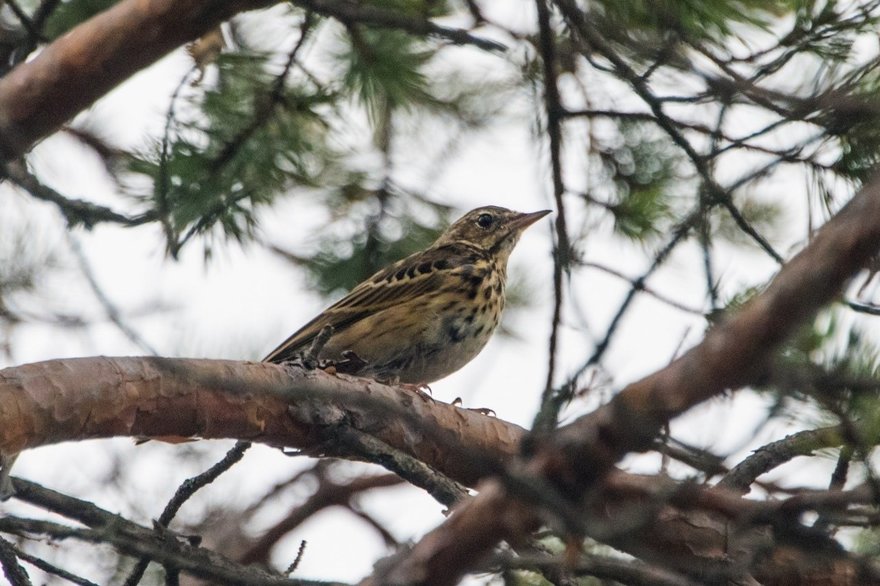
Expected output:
(72, 72)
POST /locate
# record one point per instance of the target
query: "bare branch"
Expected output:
(75, 211)
(283, 406)
(549, 411)
(184, 492)
(776, 453)
(328, 494)
(50, 568)
(13, 571)
(132, 539)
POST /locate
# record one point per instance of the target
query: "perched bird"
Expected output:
(427, 315)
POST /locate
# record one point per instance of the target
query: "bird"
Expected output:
(425, 316)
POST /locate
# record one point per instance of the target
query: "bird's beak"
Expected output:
(523, 221)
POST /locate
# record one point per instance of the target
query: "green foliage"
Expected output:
(824, 29)
(249, 141)
(692, 20)
(733, 304)
(856, 127)
(383, 70)
(639, 168)
(834, 366)
(812, 343)
(364, 239)
(249, 138)
(761, 214)
(867, 543)
(69, 14)
(848, 112)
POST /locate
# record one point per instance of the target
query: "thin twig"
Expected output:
(37, 21)
(549, 411)
(51, 569)
(862, 307)
(26, 22)
(13, 571)
(132, 539)
(837, 482)
(774, 454)
(163, 181)
(299, 556)
(327, 494)
(184, 492)
(75, 211)
(642, 287)
(445, 490)
(679, 234)
(263, 110)
(617, 570)
(585, 29)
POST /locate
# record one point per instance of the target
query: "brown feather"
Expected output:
(384, 289)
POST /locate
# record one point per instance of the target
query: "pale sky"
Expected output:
(246, 300)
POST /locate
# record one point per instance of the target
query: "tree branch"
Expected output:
(75, 211)
(549, 411)
(130, 538)
(72, 72)
(284, 406)
(328, 494)
(184, 492)
(769, 456)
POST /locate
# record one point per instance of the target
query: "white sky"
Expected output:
(246, 300)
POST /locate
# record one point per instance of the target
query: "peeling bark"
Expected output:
(80, 398)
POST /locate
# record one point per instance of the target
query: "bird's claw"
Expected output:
(482, 411)
(457, 402)
(421, 389)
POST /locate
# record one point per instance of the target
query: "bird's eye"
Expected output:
(485, 220)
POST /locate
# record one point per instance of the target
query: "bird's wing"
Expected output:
(394, 285)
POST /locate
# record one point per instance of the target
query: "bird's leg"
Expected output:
(309, 358)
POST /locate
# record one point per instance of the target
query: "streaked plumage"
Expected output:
(427, 315)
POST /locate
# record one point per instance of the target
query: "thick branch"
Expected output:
(61, 400)
(70, 74)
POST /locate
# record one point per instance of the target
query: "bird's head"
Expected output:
(490, 228)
